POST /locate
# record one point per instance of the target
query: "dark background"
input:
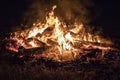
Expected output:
(110, 17)
(11, 12)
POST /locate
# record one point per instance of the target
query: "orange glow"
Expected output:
(63, 36)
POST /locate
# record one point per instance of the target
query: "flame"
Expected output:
(57, 31)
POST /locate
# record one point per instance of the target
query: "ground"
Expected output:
(44, 69)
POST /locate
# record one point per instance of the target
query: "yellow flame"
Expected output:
(69, 37)
(32, 43)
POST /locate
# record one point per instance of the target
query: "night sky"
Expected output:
(11, 12)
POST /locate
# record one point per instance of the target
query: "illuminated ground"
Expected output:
(14, 68)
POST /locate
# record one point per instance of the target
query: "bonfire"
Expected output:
(56, 40)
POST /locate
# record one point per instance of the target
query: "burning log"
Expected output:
(81, 43)
(51, 42)
(37, 50)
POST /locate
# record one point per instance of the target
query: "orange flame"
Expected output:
(54, 29)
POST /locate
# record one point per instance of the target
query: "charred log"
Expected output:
(37, 50)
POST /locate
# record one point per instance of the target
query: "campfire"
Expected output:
(56, 40)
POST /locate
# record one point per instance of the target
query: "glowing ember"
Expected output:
(65, 42)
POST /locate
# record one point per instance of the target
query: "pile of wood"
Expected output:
(88, 54)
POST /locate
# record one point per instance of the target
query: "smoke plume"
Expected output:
(67, 10)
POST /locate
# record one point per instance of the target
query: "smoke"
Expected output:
(74, 10)
(67, 10)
